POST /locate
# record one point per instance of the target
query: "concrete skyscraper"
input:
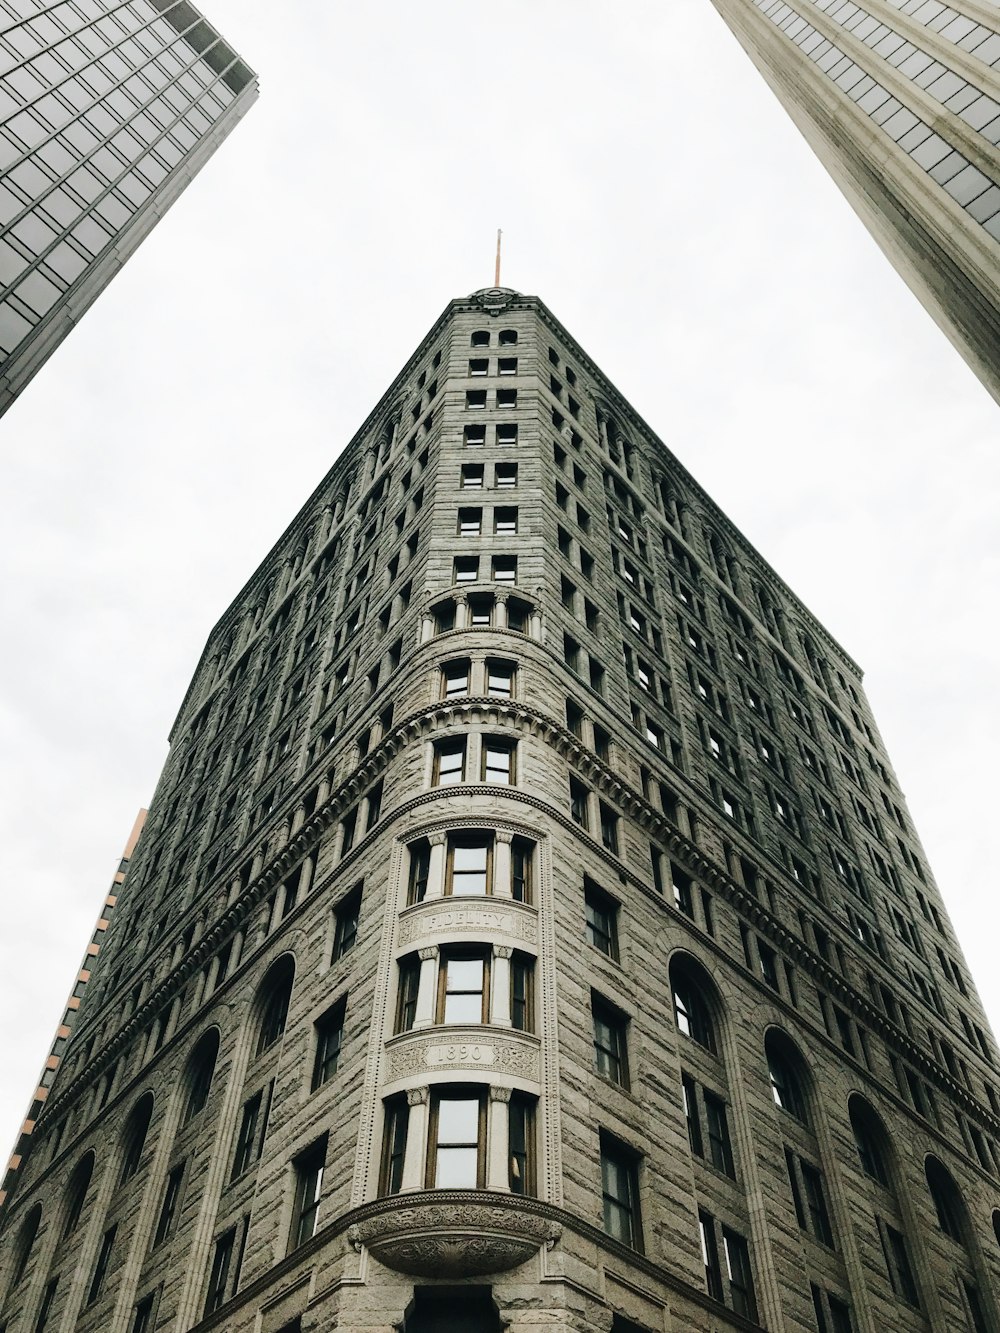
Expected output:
(527, 929)
(107, 111)
(901, 101)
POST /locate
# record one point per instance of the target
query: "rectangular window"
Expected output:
(506, 398)
(253, 1125)
(522, 858)
(498, 761)
(472, 476)
(470, 864)
(620, 1190)
(456, 1157)
(48, 1296)
(475, 398)
(470, 522)
(710, 1255)
(609, 828)
(397, 1116)
(505, 521)
(819, 1218)
(168, 1209)
(463, 988)
(499, 679)
(504, 569)
(507, 365)
(479, 366)
(329, 1038)
(142, 1320)
(579, 802)
(406, 1000)
(308, 1192)
(505, 476)
(602, 920)
(610, 1043)
(522, 1002)
(741, 1291)
(720, 1152)
(897, 1261)
(218, 1277)
(420, 865)
(480, 609)
(346, 930)
(103, 1262)
(449, 763)
(475, 435)
(455, 679)
(521, 1138)
(507, 433)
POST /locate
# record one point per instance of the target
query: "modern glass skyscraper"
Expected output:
(107, 111)
(528, 929)
(901, 101)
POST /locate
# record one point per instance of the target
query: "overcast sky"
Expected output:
(655, 195)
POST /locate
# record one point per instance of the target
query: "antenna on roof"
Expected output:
(496, 276)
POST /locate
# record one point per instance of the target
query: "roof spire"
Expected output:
(496, 276)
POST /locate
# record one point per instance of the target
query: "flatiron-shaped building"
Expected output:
(527, 930)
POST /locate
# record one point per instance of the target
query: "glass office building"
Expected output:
(107, 111)
(901, 101)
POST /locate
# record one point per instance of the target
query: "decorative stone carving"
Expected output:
(494, 300)
(486, 917)
(434, 1237)
(464, 1050)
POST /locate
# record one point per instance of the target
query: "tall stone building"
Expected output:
(527, 928)
(901, 101)
(107, 111)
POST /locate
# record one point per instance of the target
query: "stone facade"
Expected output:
(509, 944)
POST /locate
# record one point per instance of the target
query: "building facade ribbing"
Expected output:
(527, 927)
(900, 99)
(107, 111)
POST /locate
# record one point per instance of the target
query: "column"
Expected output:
(306, 875)
(416, 1139)
(500, 613)
(498, 1140)
(502, 864)
(436, 866)
(426, 987)
(461, 611)
(500, 999)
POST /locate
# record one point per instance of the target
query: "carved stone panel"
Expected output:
(465, 1050)
(486, 917)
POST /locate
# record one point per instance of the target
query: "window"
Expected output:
(463, 988)
(218, 1278)
(508, 337)
(329, 1037)
(48, 1296)
(135, 1136)
(620, 1190)
(253, 1127)
(103, 1262)
(741, 1292)
(505, 521)
(522, 999)
(832, 1314)
(409, 987)
(505, 569)
(691, 1011)
(346, 929)
(609, 828)
(505, 476)
(499, 679)
(897, 1262)
(308, 1191)
(474, 435)
(456, 1159)
(420, 865)
(808, 1198)
(506, 398)
(521, 1140)
(579, 801)
(710, 1255)
(479, 366)
(507, 433)
(480, 610)
(601, 920)
(168, 1209)
(708, 1126)
(786, 1085)
(472, 476)
(522, 860)
(480, 338)
(455, 678)
(470, 864)
(507, 365)
(449, 763)
(201, 1072)
(610, 1043)
(274, 1012)
(142, 1321)
(498, 761)
(76, 1196)
(475, 398)
(397, 1115)
(470, 522)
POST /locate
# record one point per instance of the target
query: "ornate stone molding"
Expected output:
(452, 1234)
(481, 1049)
(488, 917)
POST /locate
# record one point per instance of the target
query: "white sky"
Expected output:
(655, 196)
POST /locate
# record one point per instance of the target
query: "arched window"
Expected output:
(871, 1141)
(692, 1011)
(134, 1138)
(948, 1203)
(787, 1075)
(275, 996)
(76, 1194)
(200, 1072)
(25, 1242)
